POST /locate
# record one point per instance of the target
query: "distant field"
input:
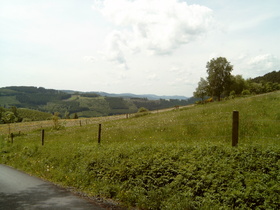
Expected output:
(178, 159)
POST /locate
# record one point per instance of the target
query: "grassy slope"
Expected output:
(6, 100)
(33, 115)
(173, 160)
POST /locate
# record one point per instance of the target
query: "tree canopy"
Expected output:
(220, 83)
(219, 76)
(202, 90)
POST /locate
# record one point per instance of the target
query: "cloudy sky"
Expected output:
(137, 46)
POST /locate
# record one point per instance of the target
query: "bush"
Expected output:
(26, 120)
(245, 92)
(56, 124)
(142, 112)
(142, 109)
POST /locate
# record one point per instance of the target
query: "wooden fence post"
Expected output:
(235, 125)
(99, 134)
(43, 137)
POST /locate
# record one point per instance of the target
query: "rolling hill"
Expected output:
(84, 104)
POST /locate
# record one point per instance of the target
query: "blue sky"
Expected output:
(137, 46)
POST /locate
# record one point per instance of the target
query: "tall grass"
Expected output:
(181, 159)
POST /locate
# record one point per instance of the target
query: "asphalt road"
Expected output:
(22, 191)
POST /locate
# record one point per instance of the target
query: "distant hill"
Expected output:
(130, 95)
(273, 77)
(85, 104)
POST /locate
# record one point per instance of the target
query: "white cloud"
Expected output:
(177, 70)
(152, 25)
(89, 58)
(264, 63)
(256, 65)
(115, 43)
(152, 76)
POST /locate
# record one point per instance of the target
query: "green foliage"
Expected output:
(22, 115)
(116, 103)
(273, 77)
(171, 160)
(6, 101)
(202, 90)
(159, 104)
(57, 125)
(84, 104)
(219, 76)
(227, 178)
(142, 111)
(33, 115)
(8, 117)
(245, 92)
(75, 116)
(238, 84)
(220, 82)
(90, 95)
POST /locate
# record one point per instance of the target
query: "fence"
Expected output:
(13, 129)
(37, 125)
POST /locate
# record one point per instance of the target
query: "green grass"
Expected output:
(181, 159)
(33, 115)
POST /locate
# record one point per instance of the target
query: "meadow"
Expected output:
(179, 159)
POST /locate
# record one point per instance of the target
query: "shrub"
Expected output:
(56, 124)
(142, 109)
(245, 92)
(26, 120)
(142, 112)
(209, 100)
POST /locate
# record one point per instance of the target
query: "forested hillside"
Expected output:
(273, 77)
(72, 104)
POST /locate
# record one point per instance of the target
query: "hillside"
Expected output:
(130, 95)
(179, 159)
(91, 104)
(68, 103)
(273, 77)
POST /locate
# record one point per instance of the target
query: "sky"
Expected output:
(134, 46)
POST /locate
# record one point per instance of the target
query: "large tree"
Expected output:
(238, 84)
(202, 90)
(219, 76)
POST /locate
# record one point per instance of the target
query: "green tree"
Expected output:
(2, 110)
(67, 115)
(238, 84)
(256, 88)
(75, 116)
(219, 76)
(9, 117)
(56, 124)
(202, 90)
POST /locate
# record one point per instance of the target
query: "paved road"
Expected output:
(21, 191)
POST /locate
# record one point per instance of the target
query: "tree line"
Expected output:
(220, 83)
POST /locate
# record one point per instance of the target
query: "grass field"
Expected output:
(179, 159)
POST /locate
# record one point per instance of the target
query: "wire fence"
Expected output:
(225, 126)
(36, 125)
